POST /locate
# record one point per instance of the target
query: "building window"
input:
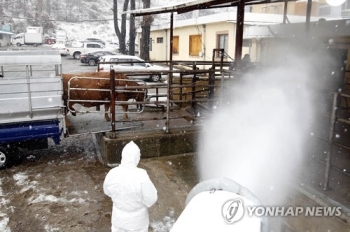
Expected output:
(159, 39)
(222, 43)
(1, 36)
(176, 44)
(247, 43)
(195, 45)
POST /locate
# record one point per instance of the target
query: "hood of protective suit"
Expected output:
(130, 155)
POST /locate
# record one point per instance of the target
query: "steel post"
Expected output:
(112, 107)
(331, 135)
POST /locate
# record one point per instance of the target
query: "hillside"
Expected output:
(81, 19)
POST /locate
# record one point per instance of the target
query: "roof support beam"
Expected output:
(285, 11)
(239, 34)
(308, 15)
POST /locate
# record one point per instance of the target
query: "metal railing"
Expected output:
(188, 89)
(334, 119)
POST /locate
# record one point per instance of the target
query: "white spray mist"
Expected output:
(256, 135)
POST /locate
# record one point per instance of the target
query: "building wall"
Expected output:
(160, 50)
(319, 8)
(293, 8)
(273, 8)
(209, 40)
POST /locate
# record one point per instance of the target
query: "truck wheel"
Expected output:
(92, 62)
(154, 78)
(18, 44)
(6, 160)
(76, 55)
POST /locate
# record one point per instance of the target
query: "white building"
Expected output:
(195, 38)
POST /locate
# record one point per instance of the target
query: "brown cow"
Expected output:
(95, 87)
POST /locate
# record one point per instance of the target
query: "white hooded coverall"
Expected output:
(131, 191)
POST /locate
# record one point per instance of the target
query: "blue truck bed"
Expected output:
(18, 132)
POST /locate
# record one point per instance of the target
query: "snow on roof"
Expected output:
(6, 32)
(168, 8)
(30, 57)
(230, 16)
(195, 5)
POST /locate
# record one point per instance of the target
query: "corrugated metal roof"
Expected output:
(198, 4)
(230, 16)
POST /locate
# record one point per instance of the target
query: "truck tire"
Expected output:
(6, 160)
(92, 62)
(76, 55)
(18, 44)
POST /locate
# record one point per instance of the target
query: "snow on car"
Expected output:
(133, 63)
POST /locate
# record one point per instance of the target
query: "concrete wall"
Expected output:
(151, 143)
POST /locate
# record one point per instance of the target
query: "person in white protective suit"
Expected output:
(131, 191)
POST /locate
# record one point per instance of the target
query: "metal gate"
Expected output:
(92, 120)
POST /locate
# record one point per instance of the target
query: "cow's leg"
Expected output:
(125, 109)
(107, 112)
(71, 109)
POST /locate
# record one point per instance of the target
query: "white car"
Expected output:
(61, 48)
(78, 43)
(132, 63)
(113, 45)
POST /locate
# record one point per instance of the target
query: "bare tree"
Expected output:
(132, 30)
(121, 32)
(48, 7)
(146, 31)
(38, 13)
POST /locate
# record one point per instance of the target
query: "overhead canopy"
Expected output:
(199, 4)
(6, 32)
(210, 4)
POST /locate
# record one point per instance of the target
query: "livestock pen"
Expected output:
(187, 89)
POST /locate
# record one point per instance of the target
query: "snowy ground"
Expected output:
(60, 189)
(103, 30)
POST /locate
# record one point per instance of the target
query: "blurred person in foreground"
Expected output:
(131, 191)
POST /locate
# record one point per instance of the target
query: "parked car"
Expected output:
(61, 48)
(112, 45)
(132, 63)
(92, 58)
(87, 47)
(95, 40)
(78, 43)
